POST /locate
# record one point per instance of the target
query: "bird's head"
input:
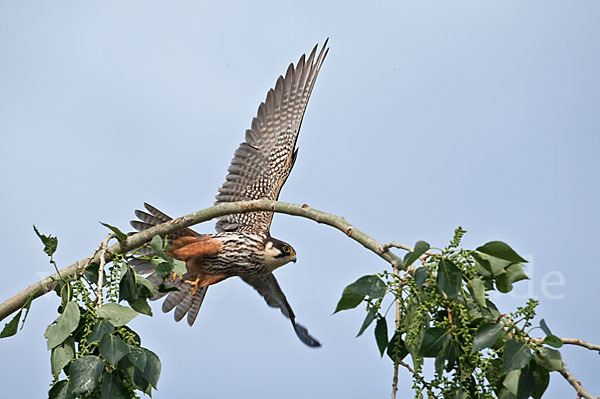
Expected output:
(278, 253)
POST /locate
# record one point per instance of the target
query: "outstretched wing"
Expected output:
(267, 286)
(263, 162)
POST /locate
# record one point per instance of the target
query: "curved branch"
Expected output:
(573, 341)
(137, 240)
(580, 342)
(581, 391)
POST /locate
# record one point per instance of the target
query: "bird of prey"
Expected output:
(243, 245)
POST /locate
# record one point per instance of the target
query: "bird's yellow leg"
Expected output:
(204, 280)
(194, 284)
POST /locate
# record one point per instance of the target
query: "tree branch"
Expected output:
(103, 248)
(134, 241)
(386, 247)
(573, 341)
(397, 324)
(581, 391)
(580, 342)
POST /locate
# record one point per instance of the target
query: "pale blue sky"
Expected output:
(426, 115)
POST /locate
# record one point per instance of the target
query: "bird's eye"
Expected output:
(285, 249)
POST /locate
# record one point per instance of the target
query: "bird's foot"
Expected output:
(193, 284)
(204, 280)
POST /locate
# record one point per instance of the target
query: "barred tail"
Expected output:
(184, 300)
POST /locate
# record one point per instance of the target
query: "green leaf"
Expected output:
(548, 358)
(448, 352)
(513, 273)
(117, 314)
(179, 267)
(101, 328)
(449, 278)
(502, 283)
(553, 340)
(477, 289)
(139, 381)
(420, 248)
(371, 286)
(12, 326)
(127, 286)
(381, 335)
(118, 233)
(396, 349)
(64, 290)
(516, 355)
(152, 369)
(461, 394)
(84, 374)
(486, 336)
(493, 266)
(545, 327)
(112, 387)
(511, 381)
(59, 390)
(146, 289)
(91, 273)
(63, 326)
(433, 341)
(62, 355)
(368, 320)
(421, 275)
(541, 378)
(526, 383)
(142, 306)
(516, 273)
(163, 288)
(164, 270)
(500, 250)
(490, 312)
(550, 339)
(157, 245)
(124, 268)
(50, 243)
(27, 308)
(113, 348)
(137, 357)
(483, 267)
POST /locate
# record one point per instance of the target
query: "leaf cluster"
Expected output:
(444, 313)
(92, 348)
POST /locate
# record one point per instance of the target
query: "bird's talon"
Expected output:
(193, 284)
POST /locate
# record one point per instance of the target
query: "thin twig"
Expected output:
(385, 248)
(581, 391)
(574, 341)
(417, 375)
(88, 261)
(396, 362)
(103, 248)
(134, 241)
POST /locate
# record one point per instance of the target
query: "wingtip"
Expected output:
(305, 337)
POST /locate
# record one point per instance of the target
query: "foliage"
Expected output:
(444, 313)
(93, 353)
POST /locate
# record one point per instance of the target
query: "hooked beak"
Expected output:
(293, 259)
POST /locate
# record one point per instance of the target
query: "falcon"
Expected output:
(243, 245)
